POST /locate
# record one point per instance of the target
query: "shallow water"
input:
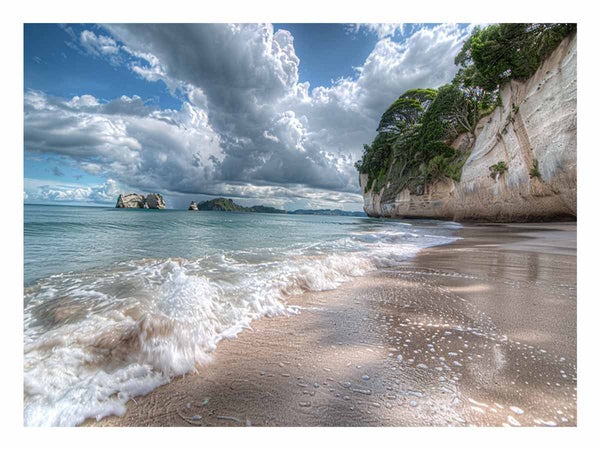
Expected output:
(119, 301)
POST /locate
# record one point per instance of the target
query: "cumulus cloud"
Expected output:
(247, 126)
(97, 45)
(124, 139)
(243, 74)
(425, 59)
(105, 193)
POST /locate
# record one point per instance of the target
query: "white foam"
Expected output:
(477, 403)
(549, 423)
(513, 421)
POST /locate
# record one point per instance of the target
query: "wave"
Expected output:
(95, 339)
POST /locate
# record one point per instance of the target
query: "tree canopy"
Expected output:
(495, 54)
(406, 111)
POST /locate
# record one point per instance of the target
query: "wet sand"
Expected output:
(479, 332)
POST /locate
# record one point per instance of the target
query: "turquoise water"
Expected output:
(118, 301)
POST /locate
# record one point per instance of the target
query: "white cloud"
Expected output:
(97, 45)
(124, 139)
(105, 193)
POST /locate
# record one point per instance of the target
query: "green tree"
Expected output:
(495, 54)
(406, 111)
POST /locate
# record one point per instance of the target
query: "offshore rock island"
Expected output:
(226, 204)
(510, 157)
(151, 201)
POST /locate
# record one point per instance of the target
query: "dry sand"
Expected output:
(480, 332)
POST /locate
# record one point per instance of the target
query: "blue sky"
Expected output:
(271, 114)
(55, 64)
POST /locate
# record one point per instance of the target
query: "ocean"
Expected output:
(119, 301)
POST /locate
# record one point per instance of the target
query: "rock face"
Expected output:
(193, 206)
(537, 122)
(131, 201)
(155, 201)
(152, 201)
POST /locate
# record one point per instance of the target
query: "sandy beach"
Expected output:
(479, 332)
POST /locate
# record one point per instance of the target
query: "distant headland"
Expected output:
(225, 204)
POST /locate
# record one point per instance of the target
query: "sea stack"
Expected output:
(133, 200)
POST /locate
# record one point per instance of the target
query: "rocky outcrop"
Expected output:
(155, 201)
(193, 206)
(131, 201)
(151, 201)
(534, 133)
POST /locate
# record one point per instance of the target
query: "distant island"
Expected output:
(329, 212)
(133, 200)
(226, 204)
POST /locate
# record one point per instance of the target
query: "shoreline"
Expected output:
(455, 336)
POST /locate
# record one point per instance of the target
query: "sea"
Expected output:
(119, 301)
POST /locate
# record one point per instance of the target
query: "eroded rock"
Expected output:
(152, 201)
(131, 201)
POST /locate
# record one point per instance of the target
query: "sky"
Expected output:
(272, 114)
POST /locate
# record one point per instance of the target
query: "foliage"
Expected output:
(495, 54)
(406, 111)
(499, 168)
(437, 167)
(534, 172)
(399, 132)
(412, 133)
(452, 112)
(446, 166)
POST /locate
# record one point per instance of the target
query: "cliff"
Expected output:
(151, 201)
(534, 133)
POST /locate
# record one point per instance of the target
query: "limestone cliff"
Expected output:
(535, 127)
(151, 201)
